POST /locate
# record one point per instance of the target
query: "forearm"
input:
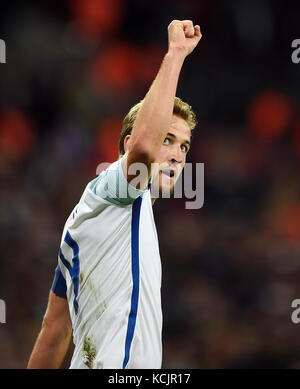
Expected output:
(155, 114)
(50, 349)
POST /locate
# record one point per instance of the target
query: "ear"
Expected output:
(126, 142)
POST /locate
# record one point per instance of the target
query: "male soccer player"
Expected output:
(106, 289)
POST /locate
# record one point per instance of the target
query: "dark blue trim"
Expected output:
(59, 286)
(136, 208)
(73, 270)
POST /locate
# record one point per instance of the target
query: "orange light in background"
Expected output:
(150, 61)
(269, 114)
(108, 138)
(116, 67)
(124, 66)
(92, 18)
(288, 222)
(17, 135)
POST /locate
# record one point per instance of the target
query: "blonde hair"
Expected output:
(181, 109)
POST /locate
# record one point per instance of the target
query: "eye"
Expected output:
(166, 141)
(184, 148)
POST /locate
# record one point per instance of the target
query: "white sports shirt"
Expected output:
(109, 259)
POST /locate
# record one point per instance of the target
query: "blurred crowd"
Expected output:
(230, 269)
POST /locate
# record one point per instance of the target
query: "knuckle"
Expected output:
(172, 24)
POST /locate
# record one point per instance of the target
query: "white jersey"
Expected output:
(110, 260)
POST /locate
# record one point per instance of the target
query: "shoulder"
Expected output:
(112, 186)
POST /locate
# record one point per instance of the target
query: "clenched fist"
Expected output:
(183, 36)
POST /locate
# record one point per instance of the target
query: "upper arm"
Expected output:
(54, 339)
(137, 168)
(57, 317)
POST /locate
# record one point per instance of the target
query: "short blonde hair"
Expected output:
(181, 109)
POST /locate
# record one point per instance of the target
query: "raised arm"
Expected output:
(54, 339)
(155, 115)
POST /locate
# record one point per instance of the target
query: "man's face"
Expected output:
(172, 155)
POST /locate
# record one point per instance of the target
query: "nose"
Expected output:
(176, 155)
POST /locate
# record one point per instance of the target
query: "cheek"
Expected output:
(180, 171)
(181, 167)
(162, 155)
(183, 162)
(163, 152)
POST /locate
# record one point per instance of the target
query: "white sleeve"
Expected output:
(112, 185)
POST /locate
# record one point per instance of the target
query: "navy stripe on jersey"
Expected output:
(73, 270)
(136, 208)
(59, 286)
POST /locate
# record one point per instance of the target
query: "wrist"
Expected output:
(176, 53)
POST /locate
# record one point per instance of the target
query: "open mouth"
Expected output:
(169, 173)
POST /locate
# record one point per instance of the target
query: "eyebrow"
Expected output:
(174, 136)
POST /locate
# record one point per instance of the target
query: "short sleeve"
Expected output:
(112, 185)
(59, 286)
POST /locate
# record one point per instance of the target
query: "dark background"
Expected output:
(230, 269)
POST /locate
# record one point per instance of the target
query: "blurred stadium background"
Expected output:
(230, 269)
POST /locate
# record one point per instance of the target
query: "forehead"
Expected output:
(180, 128)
